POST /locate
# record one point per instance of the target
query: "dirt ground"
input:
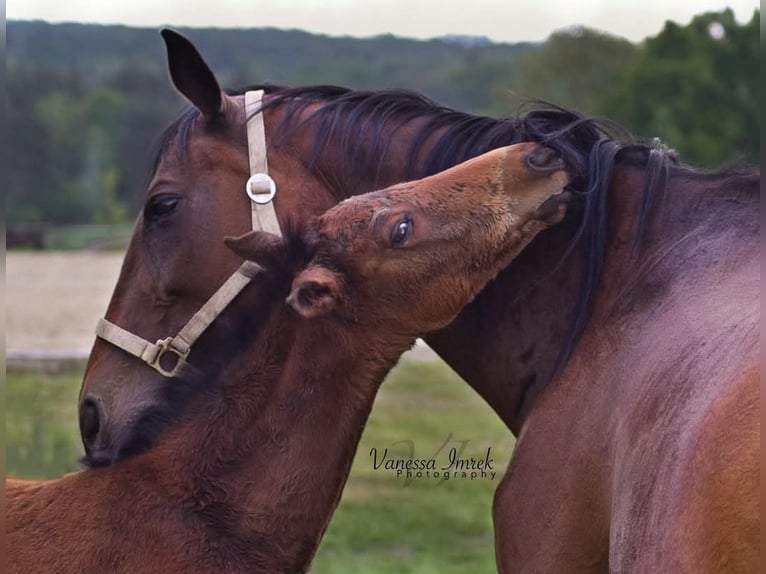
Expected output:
(53, 301)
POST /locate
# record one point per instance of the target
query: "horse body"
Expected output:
(630, 449)
(248, 476)
(658, 286)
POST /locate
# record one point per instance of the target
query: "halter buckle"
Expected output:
(165, 346)
(260, 188)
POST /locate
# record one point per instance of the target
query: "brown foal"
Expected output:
(247, 479)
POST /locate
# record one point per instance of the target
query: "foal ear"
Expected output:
(316, 292)
(266, 249)
(191, 75)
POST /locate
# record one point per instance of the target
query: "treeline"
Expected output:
(85, 102)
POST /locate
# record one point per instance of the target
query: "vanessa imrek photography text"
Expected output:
(443, 465)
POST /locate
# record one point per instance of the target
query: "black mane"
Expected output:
(591, 149)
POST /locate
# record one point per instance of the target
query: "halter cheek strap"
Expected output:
(260, 188)
(168, 356)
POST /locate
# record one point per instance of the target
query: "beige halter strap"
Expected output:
(168, 356)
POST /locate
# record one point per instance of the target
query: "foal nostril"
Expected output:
(543, 158)
(90, 421)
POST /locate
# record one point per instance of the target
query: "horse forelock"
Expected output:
(173, 139)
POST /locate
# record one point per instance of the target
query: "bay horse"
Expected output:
(247, 479)
(620, 348)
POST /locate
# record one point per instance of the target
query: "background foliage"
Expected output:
(85, 102)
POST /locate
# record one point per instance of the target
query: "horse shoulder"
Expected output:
(712, 512)
(720, 520)
(687, 436)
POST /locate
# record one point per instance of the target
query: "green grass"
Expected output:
(41, 433)
(383, 524)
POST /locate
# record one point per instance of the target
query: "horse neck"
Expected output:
(273, 448)
(507, 342)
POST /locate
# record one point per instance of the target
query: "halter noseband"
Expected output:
(261, 189)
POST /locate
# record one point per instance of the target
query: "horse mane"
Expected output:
(592, 148)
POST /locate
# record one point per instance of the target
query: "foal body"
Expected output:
(247, 479)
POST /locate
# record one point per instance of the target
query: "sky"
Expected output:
(499, 20)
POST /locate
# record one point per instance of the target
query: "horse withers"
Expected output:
(621, 347)
(247, 479)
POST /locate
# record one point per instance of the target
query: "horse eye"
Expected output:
(401, 232)
(160, 206)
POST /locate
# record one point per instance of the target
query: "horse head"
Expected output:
(176, 258)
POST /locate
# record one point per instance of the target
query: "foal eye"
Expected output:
(160, 206)
(401, 232)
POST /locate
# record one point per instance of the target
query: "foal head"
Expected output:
(406, 259)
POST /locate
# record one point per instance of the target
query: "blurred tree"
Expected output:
(484, 77)
(80, 135)
(696, 87)
(85, 102)
(147, 103)
(576, 68)
(36, 167)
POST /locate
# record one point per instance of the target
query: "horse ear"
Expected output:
(191, 75)
(315, 292)
(266, 249)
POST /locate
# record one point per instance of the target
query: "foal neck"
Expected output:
(274, 445)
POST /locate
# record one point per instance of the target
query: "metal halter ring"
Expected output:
(260, 188)
(165, 347)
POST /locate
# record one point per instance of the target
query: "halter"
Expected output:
(168, 356)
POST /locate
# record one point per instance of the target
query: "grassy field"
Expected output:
(41, 434)
(384, 524)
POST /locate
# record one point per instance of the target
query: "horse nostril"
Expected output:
(90, 421)
(543, 158)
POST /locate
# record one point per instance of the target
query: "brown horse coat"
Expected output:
(620, 347)
(247, 479)
(655, 417)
